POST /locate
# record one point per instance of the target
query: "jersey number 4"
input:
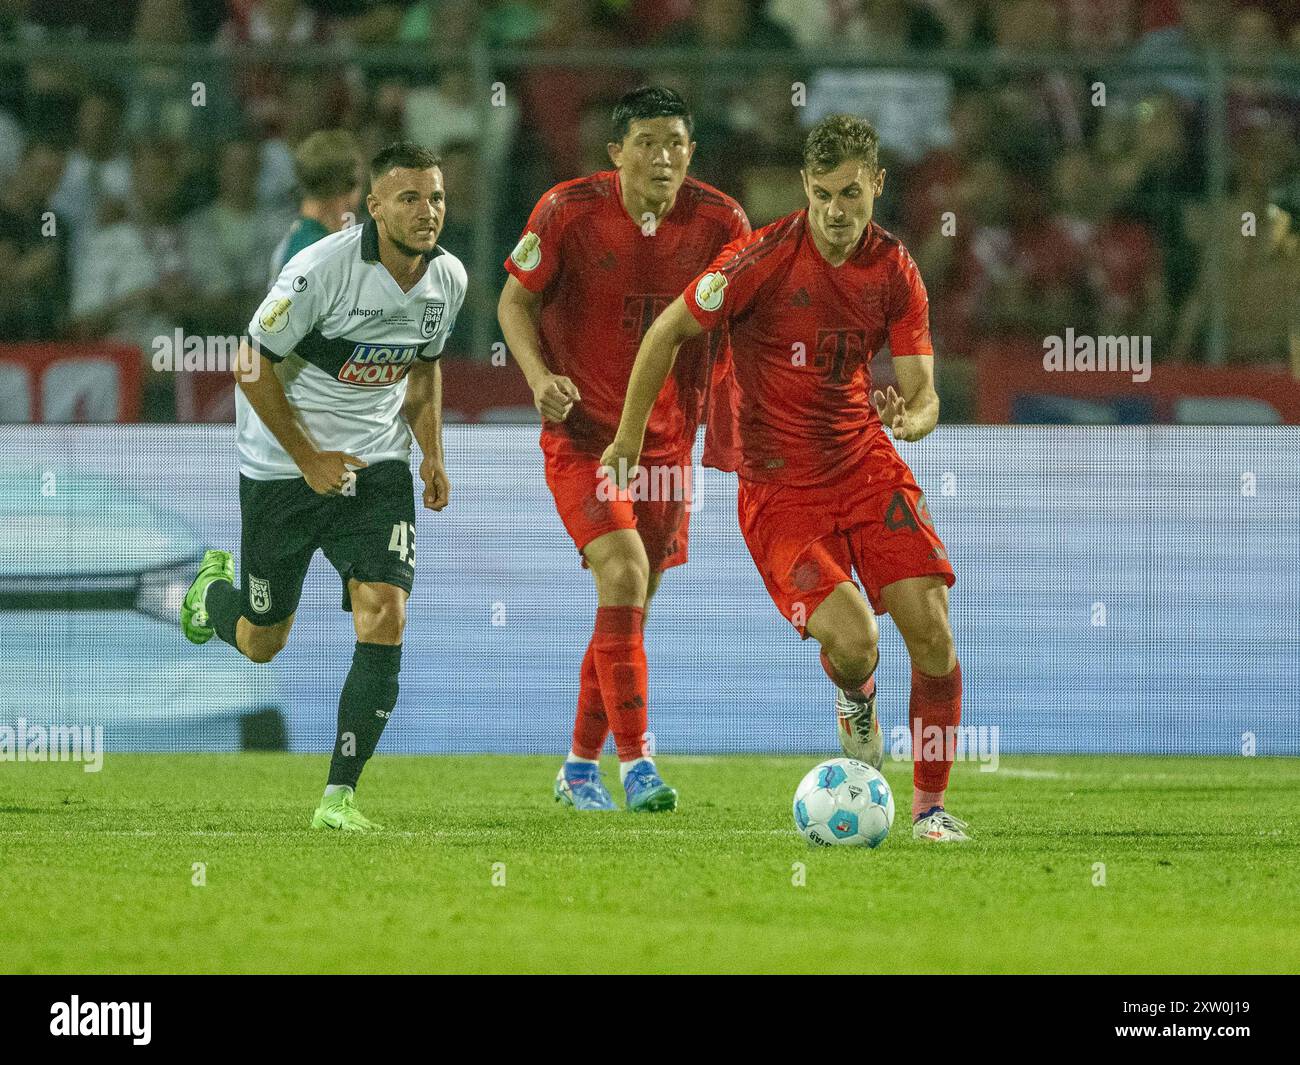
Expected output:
(403, 542)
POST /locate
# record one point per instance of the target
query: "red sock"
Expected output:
(591, 726)
(935, 704)
(620, 664)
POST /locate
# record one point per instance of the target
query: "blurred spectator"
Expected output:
(1151, 173)
(908, 107)
(134, 282)
(11, 144)
(231, 240)
(816, 25)
(329, 171)
(1260, 278)
(33, 248)
(97, 179)
(270, 92)
(554, 98)
(1182, 31)
(185, 105)
(759, 158)
(1124, 270)
(306, 110)
(1098, 25)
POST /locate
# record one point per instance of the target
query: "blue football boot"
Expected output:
(578, 784)
(646, 791)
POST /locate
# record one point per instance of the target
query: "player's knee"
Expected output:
(932, 650)
(382, 623)
(853, 646)
(624, 578)
(263, 645)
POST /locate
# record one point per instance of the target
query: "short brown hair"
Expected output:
(405, 155)
(837, 138)
(328, 164)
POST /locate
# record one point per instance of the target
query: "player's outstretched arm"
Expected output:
(517, 311)
(912, 412)
(654, 362)
(326, 472)
(423, 412)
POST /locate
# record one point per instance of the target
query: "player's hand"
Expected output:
(892, 409)
(554, 397)
(327, 472)
(619, 464)
(437, 489)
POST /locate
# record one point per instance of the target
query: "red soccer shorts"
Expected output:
(656, 505)
(806, 540)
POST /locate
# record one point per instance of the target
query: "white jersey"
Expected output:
(341, 336)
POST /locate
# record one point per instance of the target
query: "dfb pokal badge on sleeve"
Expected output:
(432, 318)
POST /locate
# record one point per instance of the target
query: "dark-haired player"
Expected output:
(600, 257)
(342, 369)
(823, 493)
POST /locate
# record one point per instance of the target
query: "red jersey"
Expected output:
(802, 336)
(603, 281)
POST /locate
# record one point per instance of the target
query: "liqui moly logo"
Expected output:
(377, 364)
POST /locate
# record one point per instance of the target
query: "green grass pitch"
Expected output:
(96, 871)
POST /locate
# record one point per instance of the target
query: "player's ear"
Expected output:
(880, 181)
(615, 150)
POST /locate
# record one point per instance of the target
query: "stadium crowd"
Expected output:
(1029, 204)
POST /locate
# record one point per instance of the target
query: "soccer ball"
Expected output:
(844, 803)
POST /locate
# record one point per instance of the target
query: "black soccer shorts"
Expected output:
(369, 536)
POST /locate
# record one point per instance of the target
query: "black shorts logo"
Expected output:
(259, 594)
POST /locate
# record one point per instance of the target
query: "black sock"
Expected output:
(369, 695)
(224, 603)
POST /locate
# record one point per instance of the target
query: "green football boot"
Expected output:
(339, 811)
(216, 566)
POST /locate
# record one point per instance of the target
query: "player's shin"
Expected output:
(591, 725)
(935, 713)
(621, 666)
(224, 602)
(369, 695)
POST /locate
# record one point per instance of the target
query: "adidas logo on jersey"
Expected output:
(377, 364)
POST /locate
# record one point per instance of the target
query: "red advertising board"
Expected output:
(94, 382)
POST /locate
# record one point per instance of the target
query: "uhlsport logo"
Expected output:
(377, 364)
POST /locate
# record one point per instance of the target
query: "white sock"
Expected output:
(626, 767)
(582, 761)
(331, 789)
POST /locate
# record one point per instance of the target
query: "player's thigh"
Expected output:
(663, 517)
(586, 502)
(371, 537)
(279, 531)
(919, 607)
(794, 547)
(844, 624)
(620, 567)
(892, 537)
(378, 611)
